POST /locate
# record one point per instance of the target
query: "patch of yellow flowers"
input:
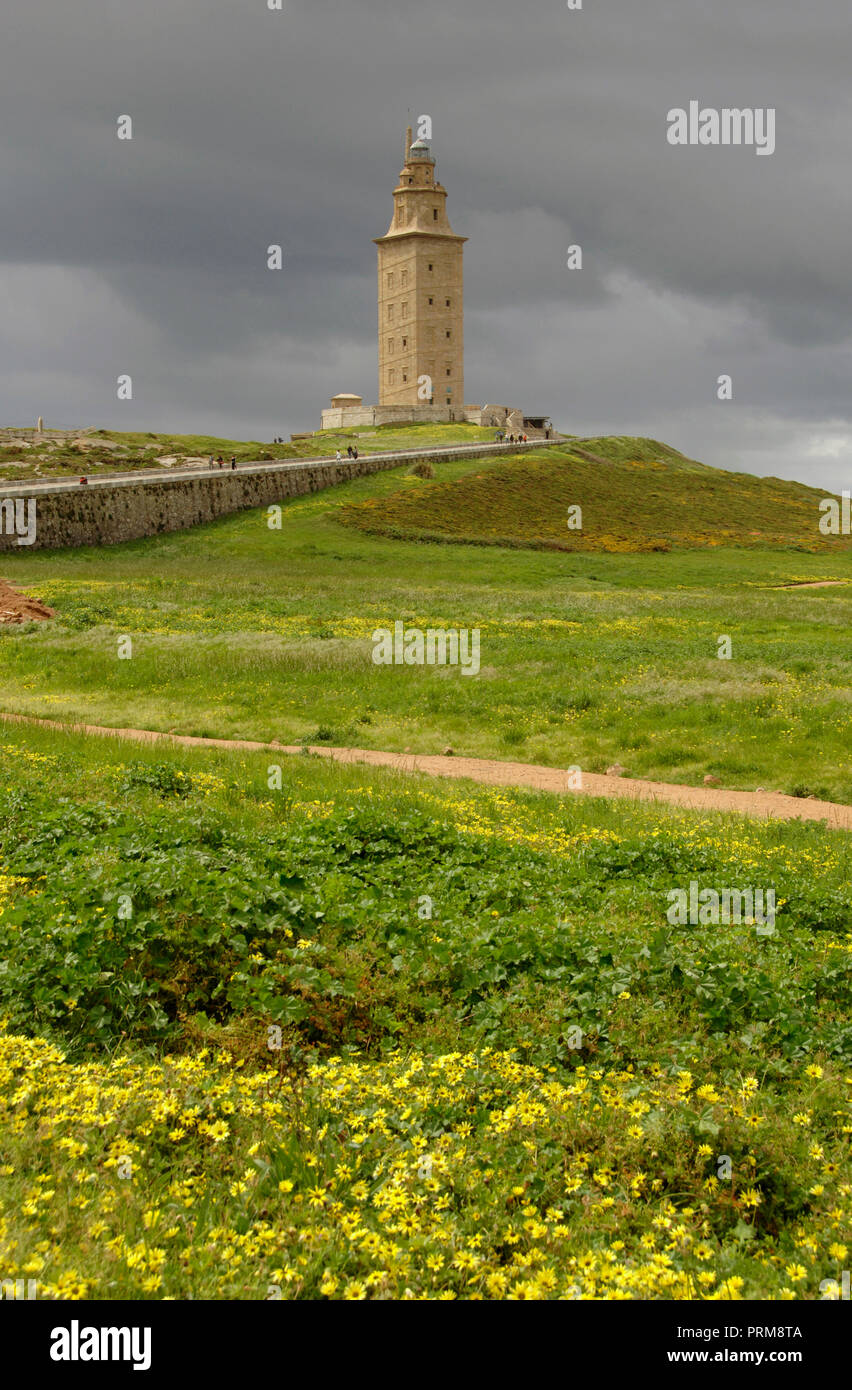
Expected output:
(469, 1176)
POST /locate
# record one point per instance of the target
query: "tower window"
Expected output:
(430, 267)
(405, 376)
(390, 313)
(434, 214)
(405, 277)
(448, 304)
(431, 301)
(390, 280)
(449, 334)
(405, 310)
(405, 342)
(449, 371)
(390, 344)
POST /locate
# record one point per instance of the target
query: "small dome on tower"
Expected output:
(420, 150)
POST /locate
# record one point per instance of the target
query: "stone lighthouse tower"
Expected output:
(421, 323)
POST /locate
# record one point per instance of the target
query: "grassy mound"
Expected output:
(634, 495)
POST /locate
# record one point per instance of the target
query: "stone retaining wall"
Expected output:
(105, 512)
(348, 417)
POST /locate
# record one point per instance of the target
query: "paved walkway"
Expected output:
(130, 477)
(766, 805)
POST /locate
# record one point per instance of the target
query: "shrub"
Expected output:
(162, 778)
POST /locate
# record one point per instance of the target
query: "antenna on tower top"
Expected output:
(408, 137)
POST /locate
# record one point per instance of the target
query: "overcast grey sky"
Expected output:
(253, 127)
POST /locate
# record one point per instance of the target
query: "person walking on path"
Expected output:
(338, 457)
(233, 462)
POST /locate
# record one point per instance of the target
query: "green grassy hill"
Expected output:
(635, 495)
(594, 659)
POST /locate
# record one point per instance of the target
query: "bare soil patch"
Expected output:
(20, 608)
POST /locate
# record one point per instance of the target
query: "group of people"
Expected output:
(503, 438)
(220, 462)
(351, 451)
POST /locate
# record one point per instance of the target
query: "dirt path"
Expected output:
(812, 584)
(768, 805)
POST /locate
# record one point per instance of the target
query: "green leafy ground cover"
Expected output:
(500, 1072)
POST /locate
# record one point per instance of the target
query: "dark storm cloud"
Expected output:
(253, 127)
